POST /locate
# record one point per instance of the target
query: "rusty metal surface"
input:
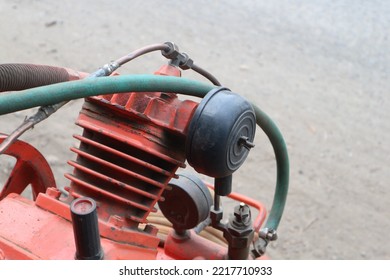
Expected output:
(131, 146)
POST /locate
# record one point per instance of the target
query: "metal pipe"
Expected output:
(43, 113)
(205, 74)
(141, 51)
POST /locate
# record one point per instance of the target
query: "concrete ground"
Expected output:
(319, 68)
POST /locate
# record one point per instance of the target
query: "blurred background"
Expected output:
(319, 68)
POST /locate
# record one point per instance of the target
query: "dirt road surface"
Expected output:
(319, 68)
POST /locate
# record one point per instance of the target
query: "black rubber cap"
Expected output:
(221, 121)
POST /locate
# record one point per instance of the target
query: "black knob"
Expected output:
(85, 229)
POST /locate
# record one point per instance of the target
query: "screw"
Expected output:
(242, 214)
(244, 141)
(268, 234)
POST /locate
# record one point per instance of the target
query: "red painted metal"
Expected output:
(31, 168)
(46, 235)
(192, 246)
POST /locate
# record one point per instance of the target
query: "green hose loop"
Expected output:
(282, 167)
(56, 93)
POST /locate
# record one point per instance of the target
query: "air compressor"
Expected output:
(130, 195)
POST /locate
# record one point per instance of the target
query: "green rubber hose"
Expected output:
(282, 167)
(56, 93)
